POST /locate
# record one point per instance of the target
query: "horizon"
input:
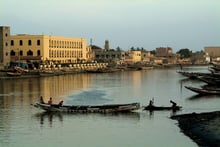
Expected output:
(143, 23)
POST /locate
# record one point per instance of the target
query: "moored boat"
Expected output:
(202, 91)
(13, 74)
(108, 108)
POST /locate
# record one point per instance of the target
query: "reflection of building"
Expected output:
(4, 46)
(43, 47)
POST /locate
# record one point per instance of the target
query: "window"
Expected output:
(29, 42)
(12, 53)
(21, 53)
(38, 42)
(6, 44)
(38, 52)
(21, 42)
(12, 42)
(30, 53)
(6, 35)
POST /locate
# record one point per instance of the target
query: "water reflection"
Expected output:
(50, 117)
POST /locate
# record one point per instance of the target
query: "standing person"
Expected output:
(50, 102)
(42, 100)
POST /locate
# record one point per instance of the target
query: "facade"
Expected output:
(4, 46)
(133, 56)
(212, 51)
(48, 48)
(109, 55)
(163, 51)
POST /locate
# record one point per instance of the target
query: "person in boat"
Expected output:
(151, 102)
(173, 103)
(50, 102)
(61, 103)
(42, 100)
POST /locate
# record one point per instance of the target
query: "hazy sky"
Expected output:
(149, 24)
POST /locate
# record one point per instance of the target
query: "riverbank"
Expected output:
(203, 128)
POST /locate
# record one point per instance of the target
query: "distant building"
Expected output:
(212, 51)
(133, 56)
(4, 46)
(106, 44)
(165, 55)
(164, 52)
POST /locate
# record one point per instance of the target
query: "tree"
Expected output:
(118, 48)
(184, 53)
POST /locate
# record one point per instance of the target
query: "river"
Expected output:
(22, 125)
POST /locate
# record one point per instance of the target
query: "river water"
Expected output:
(22, 125)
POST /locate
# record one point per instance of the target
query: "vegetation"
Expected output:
(184, 53)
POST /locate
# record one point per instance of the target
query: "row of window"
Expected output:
(65, 54)
(21, 42)
(65, 44)
(28, 53)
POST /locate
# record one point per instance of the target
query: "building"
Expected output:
(4, 46)
(163, 51)
(133, 56)
(212, 51)
(47, 48)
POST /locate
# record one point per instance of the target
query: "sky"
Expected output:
(191, 24)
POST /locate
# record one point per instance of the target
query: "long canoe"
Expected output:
(201, 91)
(88, 108)
(160, 108)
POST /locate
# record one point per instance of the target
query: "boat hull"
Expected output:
(161, 108)
(89, 109)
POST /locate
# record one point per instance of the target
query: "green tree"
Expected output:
(184, 53)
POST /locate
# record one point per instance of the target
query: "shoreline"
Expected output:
(202, 128)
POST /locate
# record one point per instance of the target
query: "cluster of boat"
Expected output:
(212, 80)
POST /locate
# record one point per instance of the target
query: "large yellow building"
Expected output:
(48, 48)
(212, 51)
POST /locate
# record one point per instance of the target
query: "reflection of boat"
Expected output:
(158, 108)
(13, 74)
(89, 108)
(46, 73)
(202, 91)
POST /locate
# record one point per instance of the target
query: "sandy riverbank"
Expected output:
(203, 128)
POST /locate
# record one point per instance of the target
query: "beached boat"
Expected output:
(160, 108)
(202, 91)
(108, 108)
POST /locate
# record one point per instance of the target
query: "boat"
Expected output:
(13, 74)
(202, 91)
(161, 108)
(210, 80)
(107, 108)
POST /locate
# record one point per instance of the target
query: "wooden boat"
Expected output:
(108, 108)
(202, 91)
(13, 74)
(210, 80)
(160, 108)
(193, 75)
